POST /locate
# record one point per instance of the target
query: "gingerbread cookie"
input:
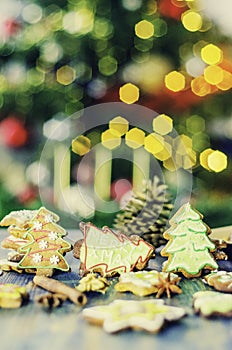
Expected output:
(149, 315)
(11, 242)
(209, 303)
(189, 247)
(7, 266)
(12, 296)
(108, 253)
(45, 247)
(221, 280)
(144, 283)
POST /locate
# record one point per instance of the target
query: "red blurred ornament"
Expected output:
(13, 133)
(171, 8)
(119, 188)
(11, 27)
(28, 195)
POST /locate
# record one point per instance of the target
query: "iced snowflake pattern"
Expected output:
(53, 235)
(37, 226)
(48, 218)
(43, 244)
(54, 259)
(37, 258)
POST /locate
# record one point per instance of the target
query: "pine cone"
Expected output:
(147, 213)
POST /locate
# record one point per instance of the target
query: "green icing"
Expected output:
(189, 245)
(209, 303)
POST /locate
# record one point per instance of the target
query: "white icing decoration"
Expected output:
(37, 226)
(53, 235)
(48, 218)
(43, 244)
(37, 258)
(54, 259)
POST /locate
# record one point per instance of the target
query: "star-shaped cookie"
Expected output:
(148, 315)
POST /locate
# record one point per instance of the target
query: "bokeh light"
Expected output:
(213, 74)
(175, 81)
(81, 145)
(162, 124)
(65, 75)
(217, 161)
(135, 138)
(108, 65)
(144, 29)
(192, 21)
(211, 54)
(111, 139)
(129, 93)
(154, 143)
(119, 124)
(200, 87)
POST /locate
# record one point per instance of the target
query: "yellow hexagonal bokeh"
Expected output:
(211, 54)
(166, 152)
(129, 93)
(81, 145)
(191, 20)
(175, 81)
(154, 143)
(144, 29)
(183, 144)
(204, 158)
(162, 124)
(200, 87)
(65, 75)
(170, 165)
(226, 83)
(188, 161)
(213, 74)
(111, 139)
(217, 161)
(135, 138)
(119, 124)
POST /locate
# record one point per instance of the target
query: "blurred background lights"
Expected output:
(192, 21)
(56, 129)
(195, 124)
(103, 28)
(38, 173)
(195, 66)
(81, 145)
(226, 83)
(129, 93)
(119, 124)
(131, 5)
(135, 138)
(32, 13)
(154, 143)
(79, 22)
(165, 153)
(217, 161)
(51, 51)
(110, 139)
(65, 75)
(213, 74)
(108, 65)
(162, 124)
(97, 88)
(160, 27)
(175, 81)
(144, 29)
(200, 87)
(204, 158)
(211, 54)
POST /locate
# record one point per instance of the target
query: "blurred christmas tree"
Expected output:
(61, 56)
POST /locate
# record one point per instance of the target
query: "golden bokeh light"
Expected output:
(166, 152)
(111, 139)
(204, 158)
(162, 124)
(65, 75)
(175, 81)
(213, 75)
(170, 165)
(226, 83)
(154, 143)
(81, 145)
(183, 144)
(200, 87)
(144, 29)
(217, 161)
(119, 124)
(129, 93)
(135, 138)
(211, 54)
(191, 20)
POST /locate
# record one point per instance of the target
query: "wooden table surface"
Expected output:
(31, 327)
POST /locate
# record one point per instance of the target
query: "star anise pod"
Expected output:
(168, 285)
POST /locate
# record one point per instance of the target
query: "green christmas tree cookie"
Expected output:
(189, 247)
